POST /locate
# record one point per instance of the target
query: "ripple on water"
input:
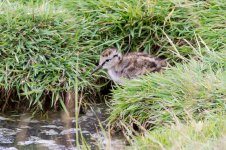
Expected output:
(53, 133)
(52, 126)
(8, 148)
(7, 135)
(6, 139)
(50, 132)
(7, 132)
(50, 144)
(3, 118)
(69, 131)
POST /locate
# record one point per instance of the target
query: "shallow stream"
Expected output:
(58, 132)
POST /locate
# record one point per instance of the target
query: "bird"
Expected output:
(128, 66)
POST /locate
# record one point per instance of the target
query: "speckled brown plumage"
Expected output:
(134, 64)
(130, 65)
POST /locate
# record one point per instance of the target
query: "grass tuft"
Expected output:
(208, 134)
(38, 45)
(192, 90)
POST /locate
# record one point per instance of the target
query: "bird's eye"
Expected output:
(107, 60)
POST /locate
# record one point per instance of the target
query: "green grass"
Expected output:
(136, 25)
(143, 25)
(203, 135)
(194, 89)
(39, 47)
(182, 108)
(40, 40)
(48, 48)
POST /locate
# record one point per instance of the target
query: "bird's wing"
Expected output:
(134, 65)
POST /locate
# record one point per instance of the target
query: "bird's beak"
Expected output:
(96, 69)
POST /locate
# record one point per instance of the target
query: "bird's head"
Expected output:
(108, 59)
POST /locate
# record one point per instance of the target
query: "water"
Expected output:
(58, 132)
